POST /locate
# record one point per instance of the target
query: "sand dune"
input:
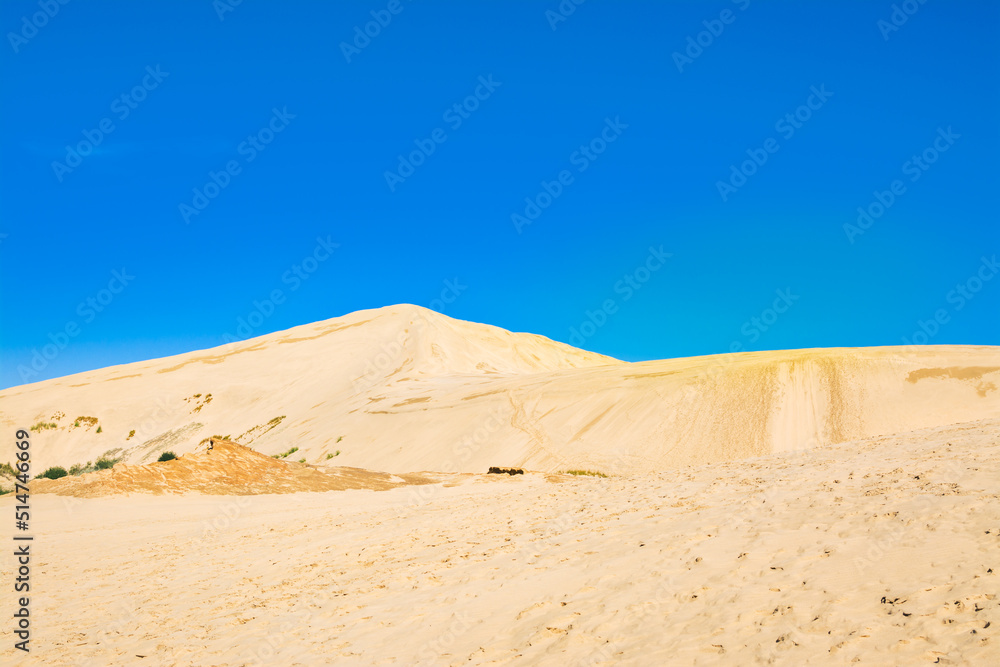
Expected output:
(405, 389)
(835, 506)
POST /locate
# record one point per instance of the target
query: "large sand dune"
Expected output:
(404, 389)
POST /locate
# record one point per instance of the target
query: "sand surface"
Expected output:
(405, 389)
(875, 552)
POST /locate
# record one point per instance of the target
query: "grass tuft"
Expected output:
(587, 473)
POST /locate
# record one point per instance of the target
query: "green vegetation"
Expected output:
(104, 464)
(41, 426)
(130, 434)
(89, 421)
(166, 456)
(99, 429)
(7, 469)
(339, 438)
(4, 491)
(54, 472)
(78, 469)
(76, 424)
(286, 454)
(302, 460)
(588, 473)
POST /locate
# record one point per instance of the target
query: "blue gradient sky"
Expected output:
(323, 175)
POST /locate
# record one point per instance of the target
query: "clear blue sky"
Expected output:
(310, 127)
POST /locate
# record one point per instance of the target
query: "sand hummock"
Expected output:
(228, 469)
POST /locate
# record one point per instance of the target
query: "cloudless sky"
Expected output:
(889, 91)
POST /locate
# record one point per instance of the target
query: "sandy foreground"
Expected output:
(877, 552)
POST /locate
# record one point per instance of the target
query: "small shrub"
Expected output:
(104, 464)
(76, 424)
(495, 470)
(4, 492)
(302, 460)
(197, 395)
(587, 473)
(131, 434)
(99, 429)
(166, 456)
(54, 472)
(76, 469)
(276, 420)
(329, 456)
(289, 452)
(339, 438)
(7, 469)
(41, 426)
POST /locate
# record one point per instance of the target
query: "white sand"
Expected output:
(783, 559)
